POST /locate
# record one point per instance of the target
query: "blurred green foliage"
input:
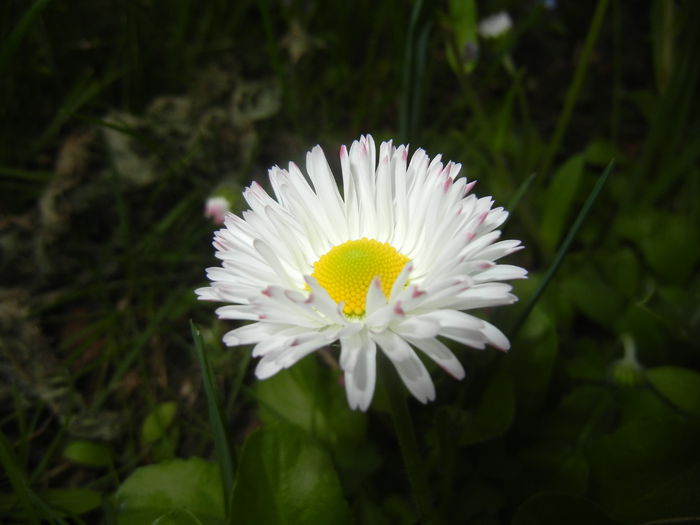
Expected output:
(118, 118)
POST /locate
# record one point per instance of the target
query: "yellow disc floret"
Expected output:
(347, 270)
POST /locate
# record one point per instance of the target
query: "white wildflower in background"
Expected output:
(216, 209)
(495, 25)
(389, 264)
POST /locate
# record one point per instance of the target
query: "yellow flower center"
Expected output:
(347, 270)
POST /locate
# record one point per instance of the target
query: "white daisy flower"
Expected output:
(496, 25)
(216, 209)
(391, 264)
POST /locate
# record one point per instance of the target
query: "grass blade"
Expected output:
(17, 479)
(575, 87)
(223, 450)
(10, 45)
(564, 248)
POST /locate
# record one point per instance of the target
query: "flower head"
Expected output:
(390, 264)
(216, 209)
(495, 25)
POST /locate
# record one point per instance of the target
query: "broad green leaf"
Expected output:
(681, 386)
(184, 485)
(89, 453)
(621, 269)
(648, 331)
(556, 508)
(590, 361)
(177, 517)
(552, 466)
(584, 413)
(592, 295)
(664, 241)
(285, 477)
(158, 421)
(310, 396)
(71, 501)
(649, 467)
(494, 413)
(462, 50)
(559, 200)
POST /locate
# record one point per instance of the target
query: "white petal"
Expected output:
(501, 272)
(327, 191)
(243, 312)
(375, 298)
(250, 333)
(361, 379)
(495, 337)
(474, 338)
(270, 257)
(410, 368)
(417, 326)
(320, 299)
(443, 356)
(401, 280)
(350, 347)
(207, 294)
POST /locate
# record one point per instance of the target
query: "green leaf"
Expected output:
(89, 453)
(185, 485)
(551, 466)
(71, 501)
(310, 396)
(284, 477)
(584, 413)
(681, 386)
(559, 200)
(553, 508)
(622, 270)
(649, 467)
(662, 236)
(158, 421)
(494, 413)
(177, 517)
(592, 295)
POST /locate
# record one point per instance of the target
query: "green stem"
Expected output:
(408, 443)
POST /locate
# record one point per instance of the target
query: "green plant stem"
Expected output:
(408, 443)
(575, 87)
(563, 249)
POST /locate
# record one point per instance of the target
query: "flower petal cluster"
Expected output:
(415, 213)
(495, 25)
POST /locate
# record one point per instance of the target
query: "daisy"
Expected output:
(390, 265)
(216, 209)
(496, 25)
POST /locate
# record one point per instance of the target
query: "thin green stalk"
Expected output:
(564, 248)
(408, 443)
(221, 444)
(575, 87)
